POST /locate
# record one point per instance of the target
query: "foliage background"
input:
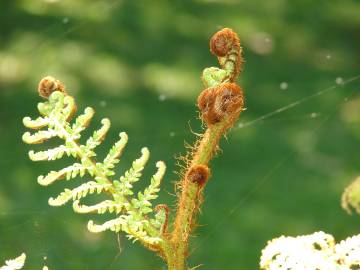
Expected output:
(139, 62)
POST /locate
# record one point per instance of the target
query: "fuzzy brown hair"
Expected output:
(215, 103)
(48, 85)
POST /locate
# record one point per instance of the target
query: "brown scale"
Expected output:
(198, 174)
(48, 85)
(217, 102)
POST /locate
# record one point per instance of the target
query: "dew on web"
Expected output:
(262, 43)
(51, 1)
(240, 125)
(172, 134)
(314, 115)
(339, 81)
(65, 20)
(284, 85)
(328, 56)
(162, 97)
(102, 103)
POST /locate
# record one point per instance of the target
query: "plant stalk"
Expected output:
(190, 199)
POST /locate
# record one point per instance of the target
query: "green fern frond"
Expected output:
(67, 173)
(82, 122)
(112, 157)
(124, 186)
(133, 212)
(78, 193)
(350, 199)
(150, 193)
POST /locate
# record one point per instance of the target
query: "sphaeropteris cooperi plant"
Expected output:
(136, 214)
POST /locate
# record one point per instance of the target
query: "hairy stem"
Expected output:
(190, 198)
(220, 106)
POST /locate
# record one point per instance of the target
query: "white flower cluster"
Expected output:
(349, 251)
(317, 251)
(14, 264)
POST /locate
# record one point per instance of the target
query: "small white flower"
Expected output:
(309, 252)
(14, 264)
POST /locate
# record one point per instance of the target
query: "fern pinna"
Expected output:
(135, 214)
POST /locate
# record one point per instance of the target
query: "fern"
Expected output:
(350, 198)
(135, 214)
(220, 105)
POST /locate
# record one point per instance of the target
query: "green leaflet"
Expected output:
(133, 212)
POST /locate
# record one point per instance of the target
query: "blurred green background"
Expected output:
(139, 63)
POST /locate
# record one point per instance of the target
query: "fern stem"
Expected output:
(190, 197)
(220, 106)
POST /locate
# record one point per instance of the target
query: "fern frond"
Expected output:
(135, 230)
(52, 154)
(39, 122)
(98, 135)
(133, 218)
(83, 121)
(78, 192)
(124, 186)
(38, 137)
(105, 206)
(112, 157)
(67, 173)
(150, 193)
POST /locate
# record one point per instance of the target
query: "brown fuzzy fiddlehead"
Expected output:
(48, 85)
(220, 105)
(215, 103)
(225, 44)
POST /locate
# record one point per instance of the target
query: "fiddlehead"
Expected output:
(224, 44)
(135, 214)
(220, 105)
